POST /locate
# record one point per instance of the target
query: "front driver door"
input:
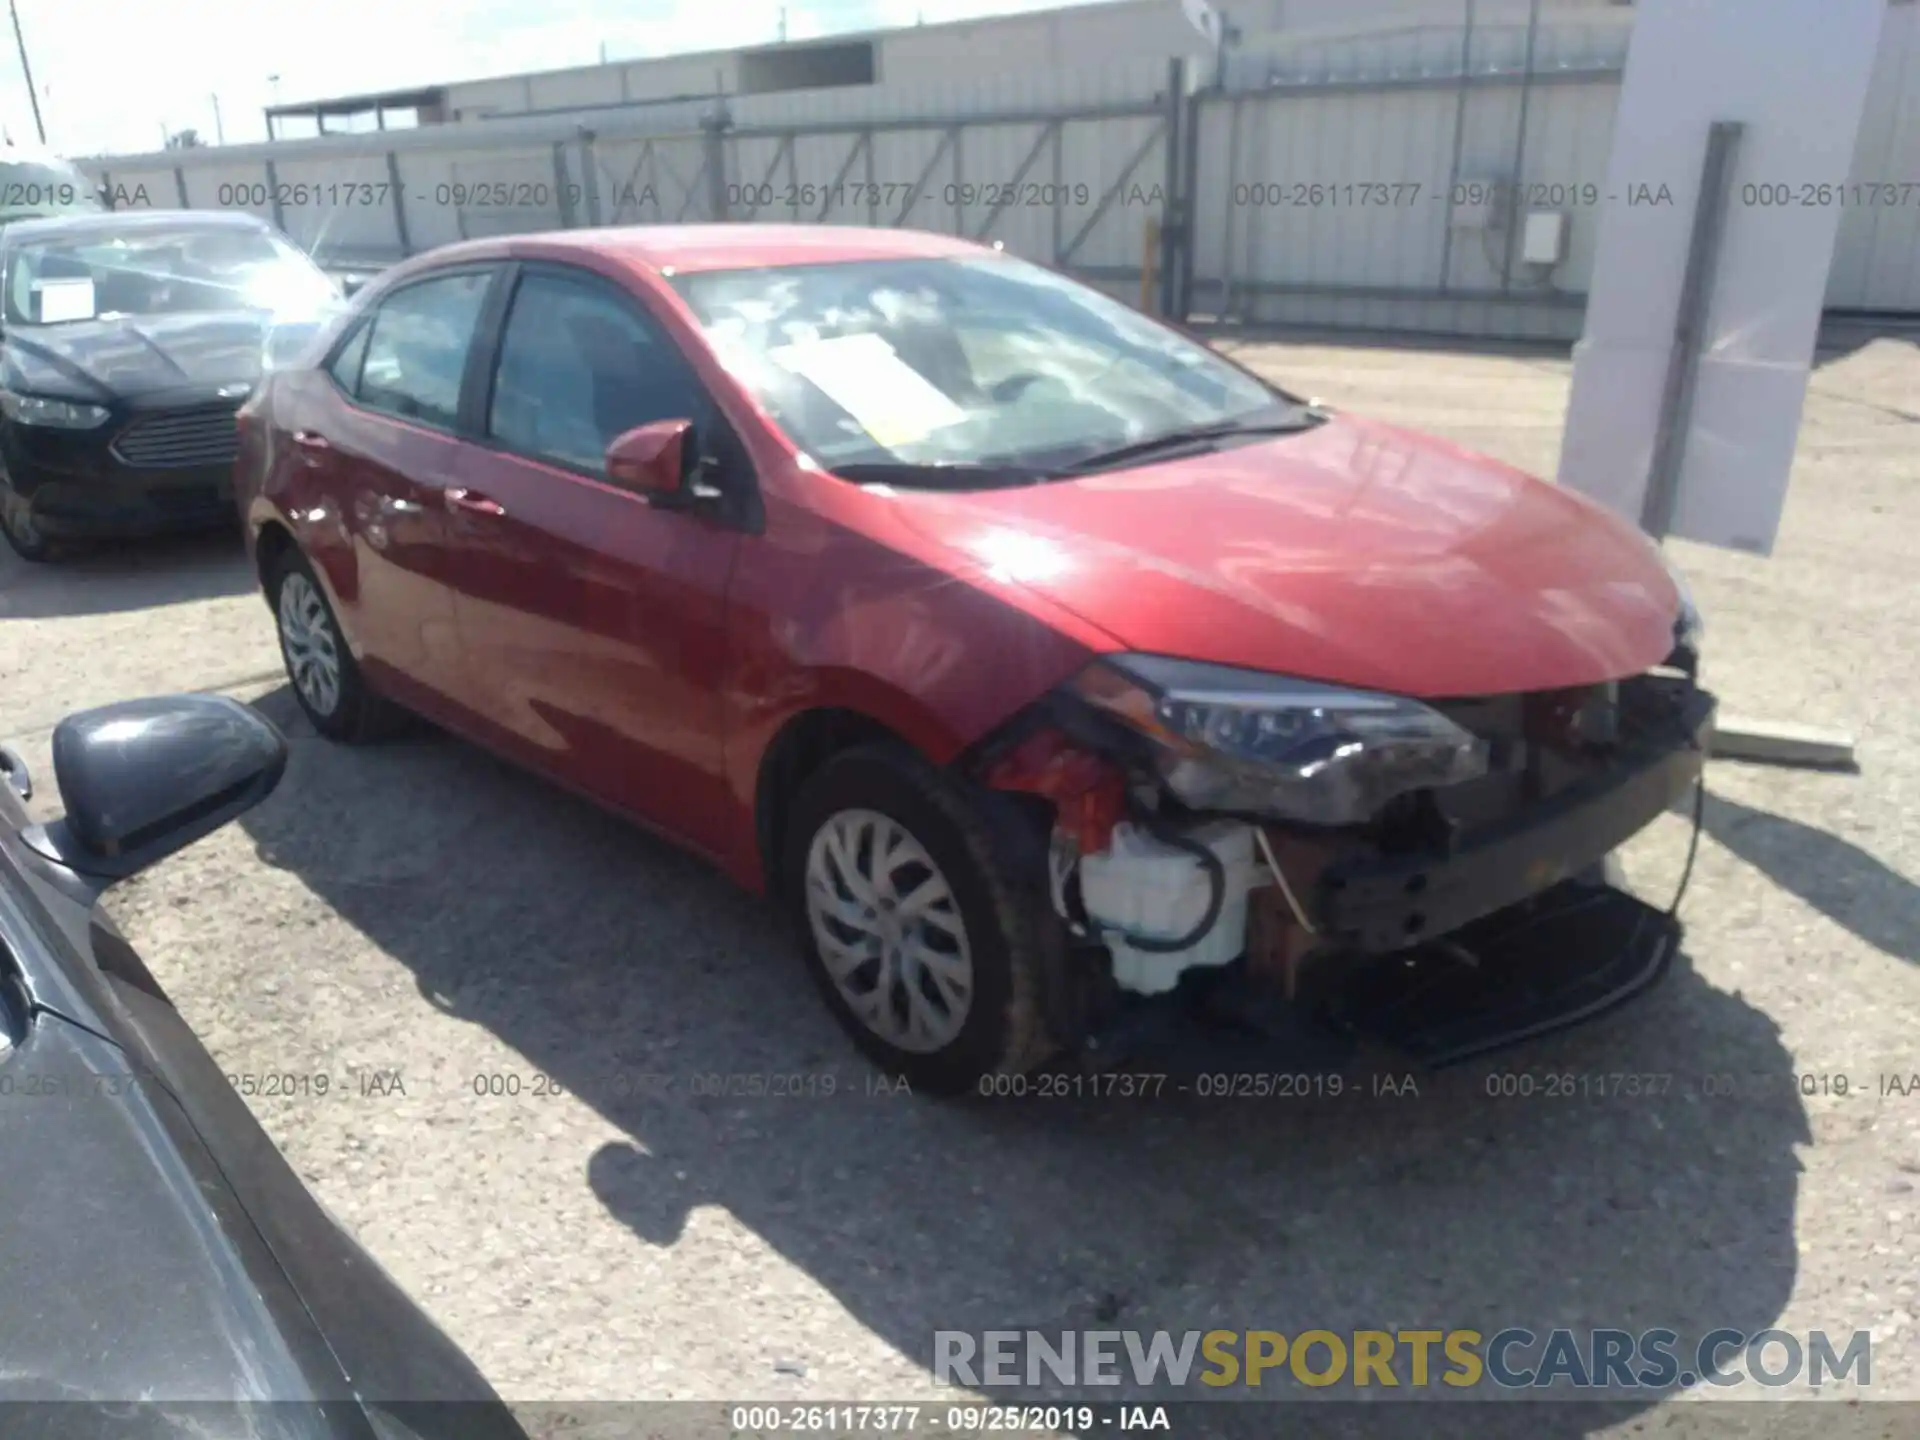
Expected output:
(593, 625)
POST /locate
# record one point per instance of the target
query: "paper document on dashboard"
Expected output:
(864, 376)
(63, 300)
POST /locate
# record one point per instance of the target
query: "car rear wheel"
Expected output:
(926, 952)
(326, 681)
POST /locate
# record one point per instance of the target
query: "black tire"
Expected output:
(357, 716)
(1002, 1032)
(22, 535)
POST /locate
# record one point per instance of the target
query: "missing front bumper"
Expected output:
(1564, 958)
(1379, 904)
(1569, 956)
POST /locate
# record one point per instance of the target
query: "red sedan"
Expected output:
(1038, 657)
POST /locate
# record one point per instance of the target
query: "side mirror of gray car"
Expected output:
(142, 779)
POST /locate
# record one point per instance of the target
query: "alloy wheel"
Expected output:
(308, 641)
(889, 931)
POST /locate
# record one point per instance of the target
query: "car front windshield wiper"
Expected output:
(941, 476)
(1194, 437)
(998, 475)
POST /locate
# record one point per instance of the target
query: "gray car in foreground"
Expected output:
(166, 1271)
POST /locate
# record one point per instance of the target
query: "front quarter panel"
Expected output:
(824, 616)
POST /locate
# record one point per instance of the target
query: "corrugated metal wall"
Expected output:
(1367, 181)
(1352, 181)
(1876, 261)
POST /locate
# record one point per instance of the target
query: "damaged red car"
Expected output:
(1054, 671)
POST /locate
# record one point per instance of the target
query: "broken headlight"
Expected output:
(1246, 742)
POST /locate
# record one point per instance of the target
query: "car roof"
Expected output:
(128, 222)
(687, 248)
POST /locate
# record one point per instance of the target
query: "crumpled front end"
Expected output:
(1230, 832)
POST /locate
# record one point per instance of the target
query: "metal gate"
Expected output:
(1086, 188)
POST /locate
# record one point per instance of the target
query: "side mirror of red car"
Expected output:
(651, 459)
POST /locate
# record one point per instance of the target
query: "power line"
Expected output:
(33, 95)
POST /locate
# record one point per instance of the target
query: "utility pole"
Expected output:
(26, 70)
(783, 24)
(219, 130)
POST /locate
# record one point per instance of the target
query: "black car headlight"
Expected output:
(1251, 743)
(54, 414)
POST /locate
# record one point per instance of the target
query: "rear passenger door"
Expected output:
(594, 623)
(391, 435)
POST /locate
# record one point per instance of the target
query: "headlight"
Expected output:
(1688, 628)
(1253, 743)
(58, 414)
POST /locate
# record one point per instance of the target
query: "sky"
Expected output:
(117, 75)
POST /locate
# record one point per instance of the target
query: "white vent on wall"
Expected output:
(1544, 240)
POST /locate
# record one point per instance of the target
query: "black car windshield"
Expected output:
(963, 367)
(29, 189)
(95, 274)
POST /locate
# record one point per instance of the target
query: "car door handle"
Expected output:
(391, 505)
(461, 498)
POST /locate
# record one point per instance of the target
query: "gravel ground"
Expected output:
(419, 910)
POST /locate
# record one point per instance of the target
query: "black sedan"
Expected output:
(157, 1248)
(127, 342)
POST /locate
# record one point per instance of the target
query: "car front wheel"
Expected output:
(925, 950)
(24, 536)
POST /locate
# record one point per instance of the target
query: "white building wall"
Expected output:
(1876, 261)
(1089, 36)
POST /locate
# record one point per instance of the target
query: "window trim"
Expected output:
(491, 269)
(362, 325)
(742, 508)
(595, 283)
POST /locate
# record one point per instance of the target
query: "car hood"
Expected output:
(119, 1281)
(150, 354)
(1355, 553)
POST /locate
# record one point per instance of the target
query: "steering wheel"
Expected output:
(1014, 386)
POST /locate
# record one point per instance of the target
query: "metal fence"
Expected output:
(1376, 181)
(1079, 185)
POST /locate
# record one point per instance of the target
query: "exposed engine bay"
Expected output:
(1207, 821)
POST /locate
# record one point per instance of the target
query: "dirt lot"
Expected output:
(421, 909)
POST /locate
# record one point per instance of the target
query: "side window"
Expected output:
(346, 365)
(577, 368)
(416, 350)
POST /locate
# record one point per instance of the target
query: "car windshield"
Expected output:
(100, 275)
(962, 366)
(42, 188)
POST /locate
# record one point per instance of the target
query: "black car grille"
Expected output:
(178, 439)
(187, 499)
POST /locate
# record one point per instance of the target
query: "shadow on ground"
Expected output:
(125, 575)
(1835, 876)
(605, 957)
